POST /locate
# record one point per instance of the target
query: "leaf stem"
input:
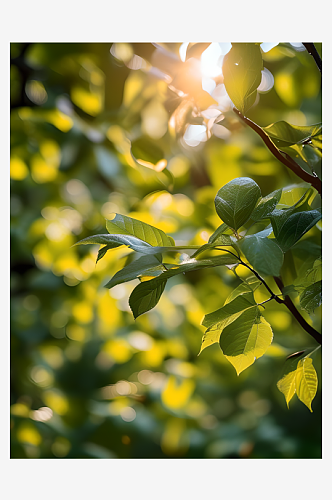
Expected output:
(313, 52)
(284, 158)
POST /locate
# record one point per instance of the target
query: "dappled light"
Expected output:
(123, 158)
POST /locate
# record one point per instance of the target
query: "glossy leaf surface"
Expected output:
(263, 254)
(289, 228)
(121, 224)
(236, 200)
(266, 206)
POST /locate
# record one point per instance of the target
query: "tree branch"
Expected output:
(313, 52)
(281, 156)
(287, 302)
(291, 307)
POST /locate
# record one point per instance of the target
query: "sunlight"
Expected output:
(211, 61)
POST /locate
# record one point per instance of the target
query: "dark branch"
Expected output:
(313, 52)
(287, 302)
(281, 156)
(291, 307)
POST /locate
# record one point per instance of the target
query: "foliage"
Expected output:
(222, 231)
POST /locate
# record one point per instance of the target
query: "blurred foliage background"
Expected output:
(97, 129)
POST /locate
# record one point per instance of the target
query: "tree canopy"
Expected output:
(166, 268)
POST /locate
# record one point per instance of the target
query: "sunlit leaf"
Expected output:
(121, 224)
(220, 319)
(115, 240)
(286, 385)
(246, 339)
(236, 200)
(300, 378)
(242, 70)
(284, 134)
(306, 382)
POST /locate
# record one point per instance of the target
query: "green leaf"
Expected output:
(147, 287)
(242, 70)
(301, 381)
(263, 254)
(289, 227)
(311, 297)
(266, 206)
(223, 240)
(236, 201)
(284, 134)
(249, 285)
(102, 251)
(218, 232)
(246, 339)
(121, 224)
(146, 296)
(146, 152)
(99, 239)
(238, 305)
(133, 270)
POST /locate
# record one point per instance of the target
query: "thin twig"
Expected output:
(281, 156)
(287, 302)
(313, 52)
(291, 307)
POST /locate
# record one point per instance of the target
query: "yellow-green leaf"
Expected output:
(252, 345)
(306, 381)
(286, 385)
(242, 70)
(302, 381)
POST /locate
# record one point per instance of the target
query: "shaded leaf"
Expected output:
(288, 228)
(102, 251)
(263, 254)
(100, 239)
(218, 232)
(146, 296)
(242, 70)
(236, 200)
(311, 297)
(133, 270)
(138, 303)
(266, 206)
(146, 152)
